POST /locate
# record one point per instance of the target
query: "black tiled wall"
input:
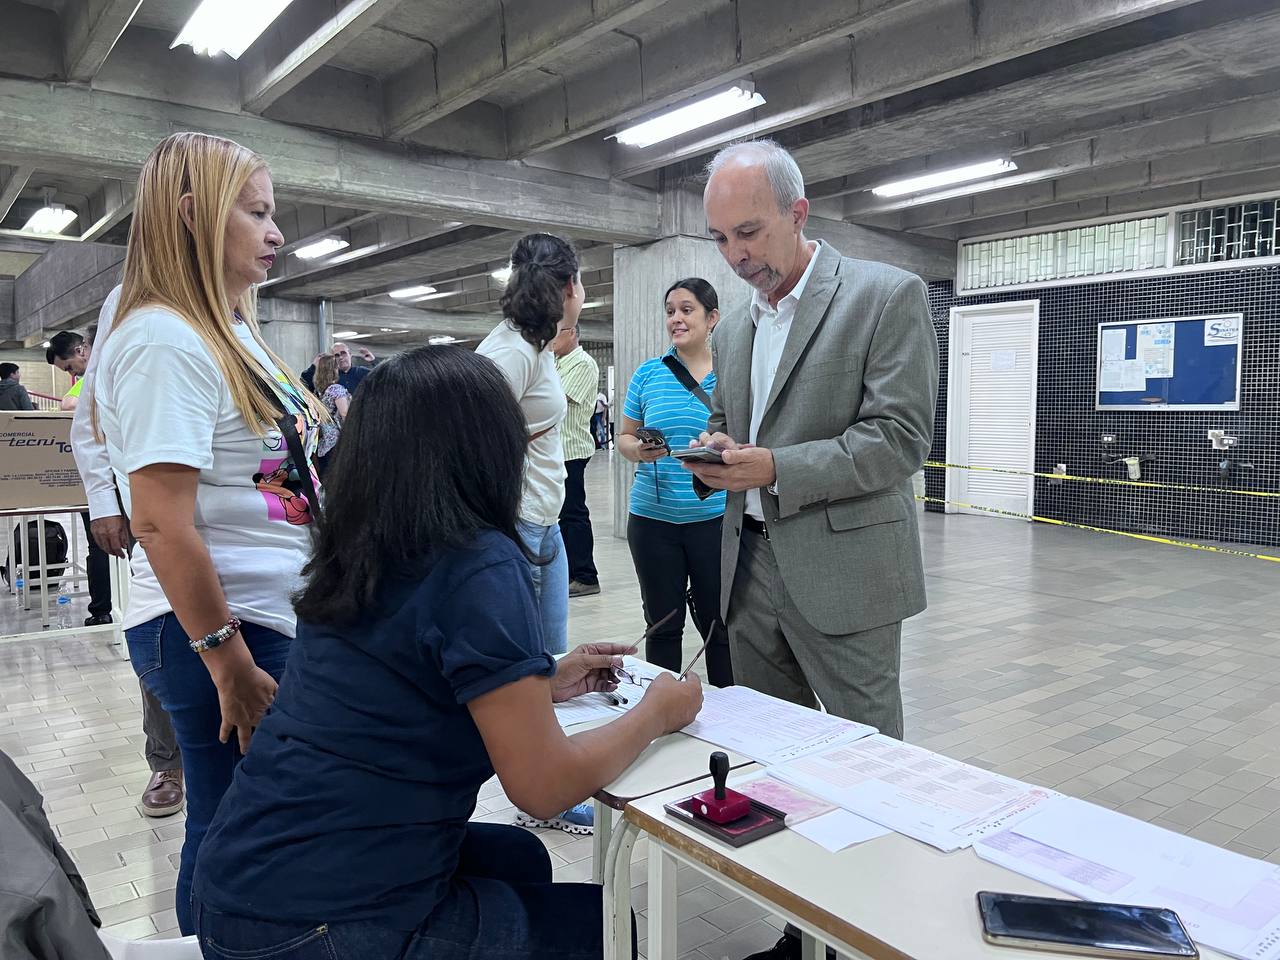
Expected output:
(1069, 430)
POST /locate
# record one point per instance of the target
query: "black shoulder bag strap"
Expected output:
(288, 428)
(686, 379)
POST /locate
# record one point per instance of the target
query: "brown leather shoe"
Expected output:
(164, 795)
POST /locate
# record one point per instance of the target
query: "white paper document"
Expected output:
(590, 706)
(919, 793)
(1226, 901)
(839, 829)
(1113, 343)
(1156, 349)
(767, 729)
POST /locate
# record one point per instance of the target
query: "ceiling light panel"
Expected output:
(321, 248)
(228, 26)
(945, 178)
(404, 293)
(700, 113)
(51, 219)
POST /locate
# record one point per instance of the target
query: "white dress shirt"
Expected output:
(91, 453)
(773, 325)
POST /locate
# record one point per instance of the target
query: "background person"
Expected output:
(188, 397)
(13, 395)
(674, 535)
(164, 794)
(580, 377)
(419, 671)
(337, 402)
(349, 373)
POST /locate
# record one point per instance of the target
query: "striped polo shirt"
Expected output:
(664, 490)
(581, 378)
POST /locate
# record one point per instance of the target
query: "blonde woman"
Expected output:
(188, 398)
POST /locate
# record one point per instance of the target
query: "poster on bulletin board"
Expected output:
(1179, 363)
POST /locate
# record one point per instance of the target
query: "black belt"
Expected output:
(755, 526)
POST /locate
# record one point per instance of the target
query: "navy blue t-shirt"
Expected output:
(354, 797)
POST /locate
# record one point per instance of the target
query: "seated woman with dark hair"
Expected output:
(418, 671)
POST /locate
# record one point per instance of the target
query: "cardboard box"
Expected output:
(36, 466)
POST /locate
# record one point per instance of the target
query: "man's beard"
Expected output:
(761, 276)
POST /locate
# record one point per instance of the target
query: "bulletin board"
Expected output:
(1180, 363)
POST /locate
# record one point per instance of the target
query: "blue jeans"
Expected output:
(550, 582)
(500, 903)
(163, 660)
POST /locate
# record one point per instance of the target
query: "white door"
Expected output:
(991, 407)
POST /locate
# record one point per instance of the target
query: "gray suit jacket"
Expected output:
(849, 420)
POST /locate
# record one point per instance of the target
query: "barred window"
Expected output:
(1240, 231)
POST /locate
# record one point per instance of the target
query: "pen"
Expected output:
(696, 657)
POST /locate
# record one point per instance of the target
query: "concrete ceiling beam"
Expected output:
(727, 43)
(13, 180)
(874, 61)
(514, 40)
(112, 202)
(110, 135)
(272, 69)
(1176, 168)
(92, 28)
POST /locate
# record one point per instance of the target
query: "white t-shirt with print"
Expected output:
(161, 399)
(538, 390)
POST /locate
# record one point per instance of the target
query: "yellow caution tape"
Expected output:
(1184, 487)
(1119, 533)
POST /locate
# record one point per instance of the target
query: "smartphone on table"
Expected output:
(1083, 927)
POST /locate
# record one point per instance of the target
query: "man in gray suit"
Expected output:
(826, 386)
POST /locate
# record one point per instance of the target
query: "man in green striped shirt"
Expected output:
(581, 378)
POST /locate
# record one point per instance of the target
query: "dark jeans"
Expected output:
(162, 658)
(575, 524)
(670, 558)
(501, 903)
(98, 567)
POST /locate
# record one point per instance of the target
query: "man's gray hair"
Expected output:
(779, 166)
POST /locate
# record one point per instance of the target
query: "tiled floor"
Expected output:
(1140, 676)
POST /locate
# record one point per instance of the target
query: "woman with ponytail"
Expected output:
(543, 299)
(210, 437)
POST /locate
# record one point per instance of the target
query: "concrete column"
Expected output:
(289, 328)
(641, 276)
(324, 326)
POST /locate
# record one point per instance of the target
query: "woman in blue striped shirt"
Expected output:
(674, 536)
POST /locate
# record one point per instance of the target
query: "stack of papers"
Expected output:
(823, 823)
(939, 801)
(767, 729)
(1226, 901)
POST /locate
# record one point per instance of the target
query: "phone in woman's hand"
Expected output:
(651, 436)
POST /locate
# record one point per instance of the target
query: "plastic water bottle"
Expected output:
(64, 607)
(18, 584)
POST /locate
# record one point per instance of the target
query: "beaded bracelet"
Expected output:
(218, 637)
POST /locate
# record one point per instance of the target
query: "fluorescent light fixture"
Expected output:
(502, 275)
(444, 338)
(404, 293)
(321, 248)
(53, 218)
(944, 178)
(436, 296)
(360, 336)
(46, 344)
(344, 335)
(727, 103)
(228, 26)
(594, 303)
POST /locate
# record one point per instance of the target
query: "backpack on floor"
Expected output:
(55, 552)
